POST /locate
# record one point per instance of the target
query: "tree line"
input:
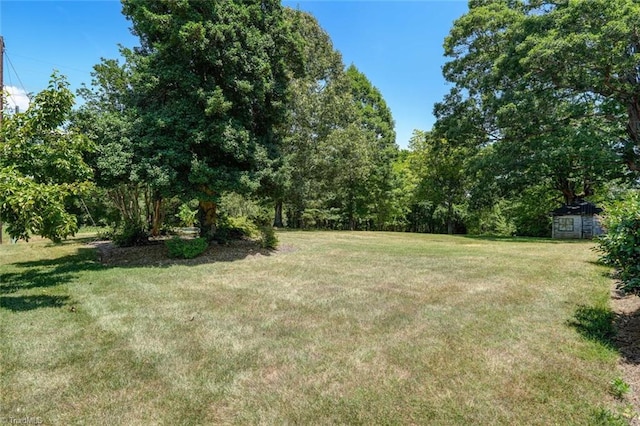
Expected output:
(246, 110)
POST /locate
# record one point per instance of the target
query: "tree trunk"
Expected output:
(352, 208)
(633, 130)
(295, 219)
(277, 220)
(157, 217)
(568, 190)
(450, 218)
(207, 216)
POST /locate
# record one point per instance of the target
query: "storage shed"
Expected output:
(576, 221)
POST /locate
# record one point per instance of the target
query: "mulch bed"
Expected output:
(155, 253)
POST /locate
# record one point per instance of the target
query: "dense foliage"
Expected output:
(210, 92)
(179, 248)
(621, 244)
(233, 115)
(42, 167)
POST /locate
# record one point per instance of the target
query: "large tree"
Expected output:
(540, 131)
(439, 165)
(375, 118)
(108, 121)
(353, 152)
(210, 90)
(315, 108)
(574, 52)
(589, 48)
(42, 166)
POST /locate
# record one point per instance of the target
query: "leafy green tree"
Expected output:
(374, 117)
(567, 151)
(544, 68)
(107, 119)
(313, 111)
(352, 161)
(347, 165)
(42, 166)
(403, 195)
(440, 167)
(211, 91)
(586, 47)
(528, 130)
(318, 112)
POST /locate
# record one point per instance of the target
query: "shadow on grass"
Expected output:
(596, 324)
(48, 273)
(536, 240)
(620, 332)
(28, 303)
(53, 273)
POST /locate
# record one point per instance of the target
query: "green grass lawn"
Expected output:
(337, 328)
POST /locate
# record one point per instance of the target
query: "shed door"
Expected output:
(587, 227)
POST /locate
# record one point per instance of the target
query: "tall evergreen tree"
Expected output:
(211, 90)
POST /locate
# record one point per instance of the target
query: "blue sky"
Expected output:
(396, 44)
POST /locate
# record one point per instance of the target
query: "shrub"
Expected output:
(234, 228)
(186, 215)
(268, 238)
(244, 225)
(186, 249)
(131, 234)
(621, 243)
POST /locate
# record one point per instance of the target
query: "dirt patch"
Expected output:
(155, 253)
(627, 341)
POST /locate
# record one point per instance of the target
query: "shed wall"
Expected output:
(569, 227)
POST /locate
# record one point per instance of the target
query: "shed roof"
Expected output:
(581, 208)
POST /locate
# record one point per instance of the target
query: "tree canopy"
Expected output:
(210, 89)
(42, 166)
(248, 103)
(544, 126)
(544, 66)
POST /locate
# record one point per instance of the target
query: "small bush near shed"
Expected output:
(186, 249)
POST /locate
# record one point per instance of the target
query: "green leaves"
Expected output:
(210, 89)
(440, 168)
(28, 207)
(531, 94)
(621, 243)
(186, 249)
(42, 166)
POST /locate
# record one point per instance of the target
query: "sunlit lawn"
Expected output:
(337, 328)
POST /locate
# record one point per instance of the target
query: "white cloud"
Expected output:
(16, 97)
